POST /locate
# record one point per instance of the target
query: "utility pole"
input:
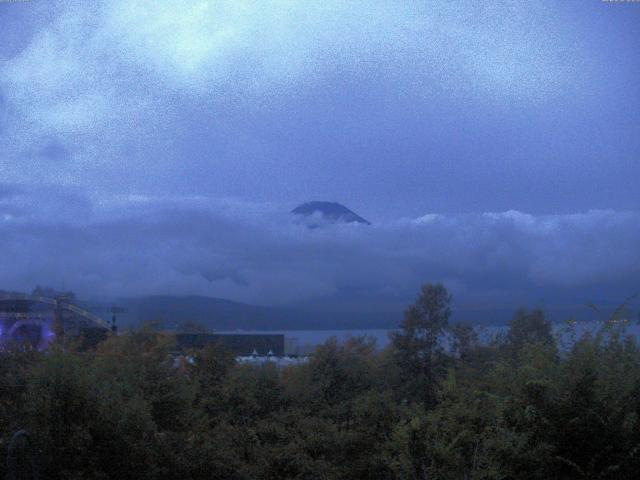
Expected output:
(115, 311)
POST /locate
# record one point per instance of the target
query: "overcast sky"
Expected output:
(157, 147)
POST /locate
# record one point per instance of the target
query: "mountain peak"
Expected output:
(332, 211)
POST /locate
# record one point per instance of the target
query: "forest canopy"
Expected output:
(524, 405)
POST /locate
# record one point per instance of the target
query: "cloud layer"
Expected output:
(157, 147)
(260, 253)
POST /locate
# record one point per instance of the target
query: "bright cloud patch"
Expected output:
(111, 76)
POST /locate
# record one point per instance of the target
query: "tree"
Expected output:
(463, 340)
(416, 346)
(529, 328)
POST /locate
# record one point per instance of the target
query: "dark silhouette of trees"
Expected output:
(519, 408)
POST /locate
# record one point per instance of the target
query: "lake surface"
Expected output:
(309, 339)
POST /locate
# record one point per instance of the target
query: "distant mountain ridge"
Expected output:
(218, 314)
(332, 211)
(225, 315)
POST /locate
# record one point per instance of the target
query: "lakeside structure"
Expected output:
(248, 348)
(34, 321)
(238, 344)
(247, 344)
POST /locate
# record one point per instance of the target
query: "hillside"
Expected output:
(220, 314)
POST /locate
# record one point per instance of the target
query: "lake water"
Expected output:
(307, 340)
